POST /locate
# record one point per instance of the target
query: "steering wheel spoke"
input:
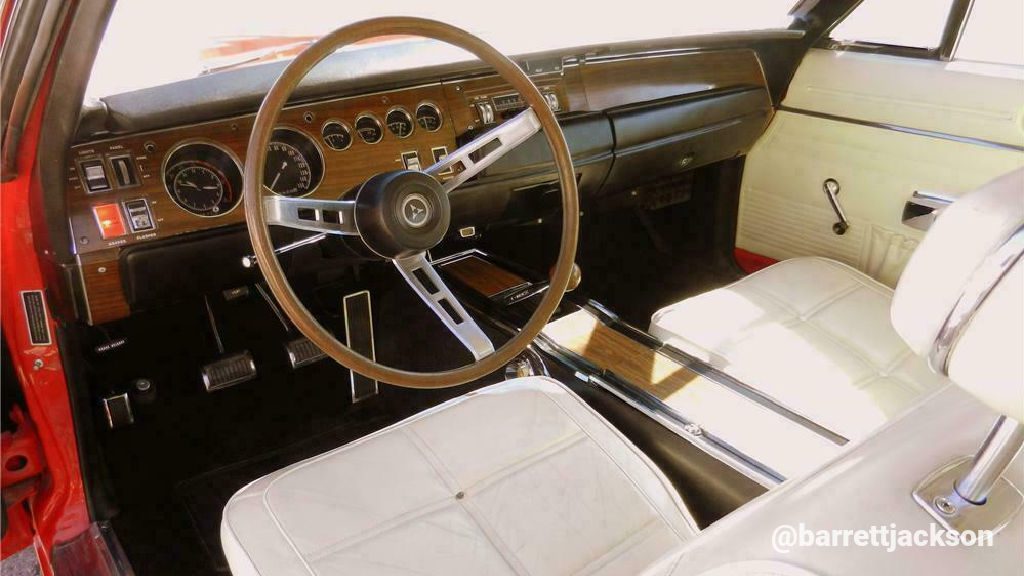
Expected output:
(330, 216)
(427, 283)
(488, 148)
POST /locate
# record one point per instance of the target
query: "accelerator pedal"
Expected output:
(302, 352)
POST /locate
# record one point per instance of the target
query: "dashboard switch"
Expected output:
(411, 160)
(486, 112)
(94, 174)
(139, 217)
(124, 171)
(108, 218)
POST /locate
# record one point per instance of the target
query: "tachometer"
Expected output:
(399, 122)
(203, 178)
(294, 165)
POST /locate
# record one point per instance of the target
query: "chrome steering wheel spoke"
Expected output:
(427, 283)
(489, 147)
(330, 216)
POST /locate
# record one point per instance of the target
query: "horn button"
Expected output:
(402, 213)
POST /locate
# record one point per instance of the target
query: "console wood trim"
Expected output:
(484, 277)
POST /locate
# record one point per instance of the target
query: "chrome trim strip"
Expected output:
(904, 129)
(679, 426)
(714, 375)
(653, 408)
(983, 280)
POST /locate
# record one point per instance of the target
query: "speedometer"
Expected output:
(294, 165)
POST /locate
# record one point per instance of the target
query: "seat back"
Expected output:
(960, 301)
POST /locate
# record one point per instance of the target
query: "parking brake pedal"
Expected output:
(228, 370)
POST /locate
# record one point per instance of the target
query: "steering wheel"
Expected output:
(399, 215)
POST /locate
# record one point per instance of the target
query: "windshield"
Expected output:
(154, 42)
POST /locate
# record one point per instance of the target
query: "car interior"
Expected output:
(426, 306)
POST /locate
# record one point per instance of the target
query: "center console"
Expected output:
(710, 410)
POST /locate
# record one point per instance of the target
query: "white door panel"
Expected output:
(969, 99)
(784, 212)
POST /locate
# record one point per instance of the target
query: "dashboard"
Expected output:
(138, 189)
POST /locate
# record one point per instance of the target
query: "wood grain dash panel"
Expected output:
(101, 277)
(584, 334)
(483, 276)
(627, 81)
(343, 169)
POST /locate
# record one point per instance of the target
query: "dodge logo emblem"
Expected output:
(415, 210)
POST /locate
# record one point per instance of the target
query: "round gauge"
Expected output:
(337, 135)
(399, 122)
(428, 117)
(368, 128)
(197, 185)
(294, 166)
(203, 178)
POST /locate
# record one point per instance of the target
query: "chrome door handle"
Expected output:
(923, 208)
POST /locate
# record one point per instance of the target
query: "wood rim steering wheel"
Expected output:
(400, 215)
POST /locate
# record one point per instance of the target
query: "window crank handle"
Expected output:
(831, 188)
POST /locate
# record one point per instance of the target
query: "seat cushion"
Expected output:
(517, 478)
(811, 333)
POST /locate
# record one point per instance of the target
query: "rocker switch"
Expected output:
(411, 160)
(139, 217)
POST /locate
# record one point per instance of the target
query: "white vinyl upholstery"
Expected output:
(986, 360)
(811, 333)
(517, 478)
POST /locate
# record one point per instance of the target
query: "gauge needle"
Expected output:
(278, 177)
(187, 183)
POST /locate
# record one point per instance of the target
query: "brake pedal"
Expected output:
(228, 371)
(302, 352)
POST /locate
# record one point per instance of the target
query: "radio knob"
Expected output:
(552, 99)
(486, 112)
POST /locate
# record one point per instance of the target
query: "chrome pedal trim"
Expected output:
(229, 371)
(302, 352)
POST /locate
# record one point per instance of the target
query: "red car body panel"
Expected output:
(58, 506)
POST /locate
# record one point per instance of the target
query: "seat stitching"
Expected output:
(625, 545)
(527, 462)
(296, 467)
(277, 524)
(657, 473)
(447, 477)
(234, 536)
(381, 528)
